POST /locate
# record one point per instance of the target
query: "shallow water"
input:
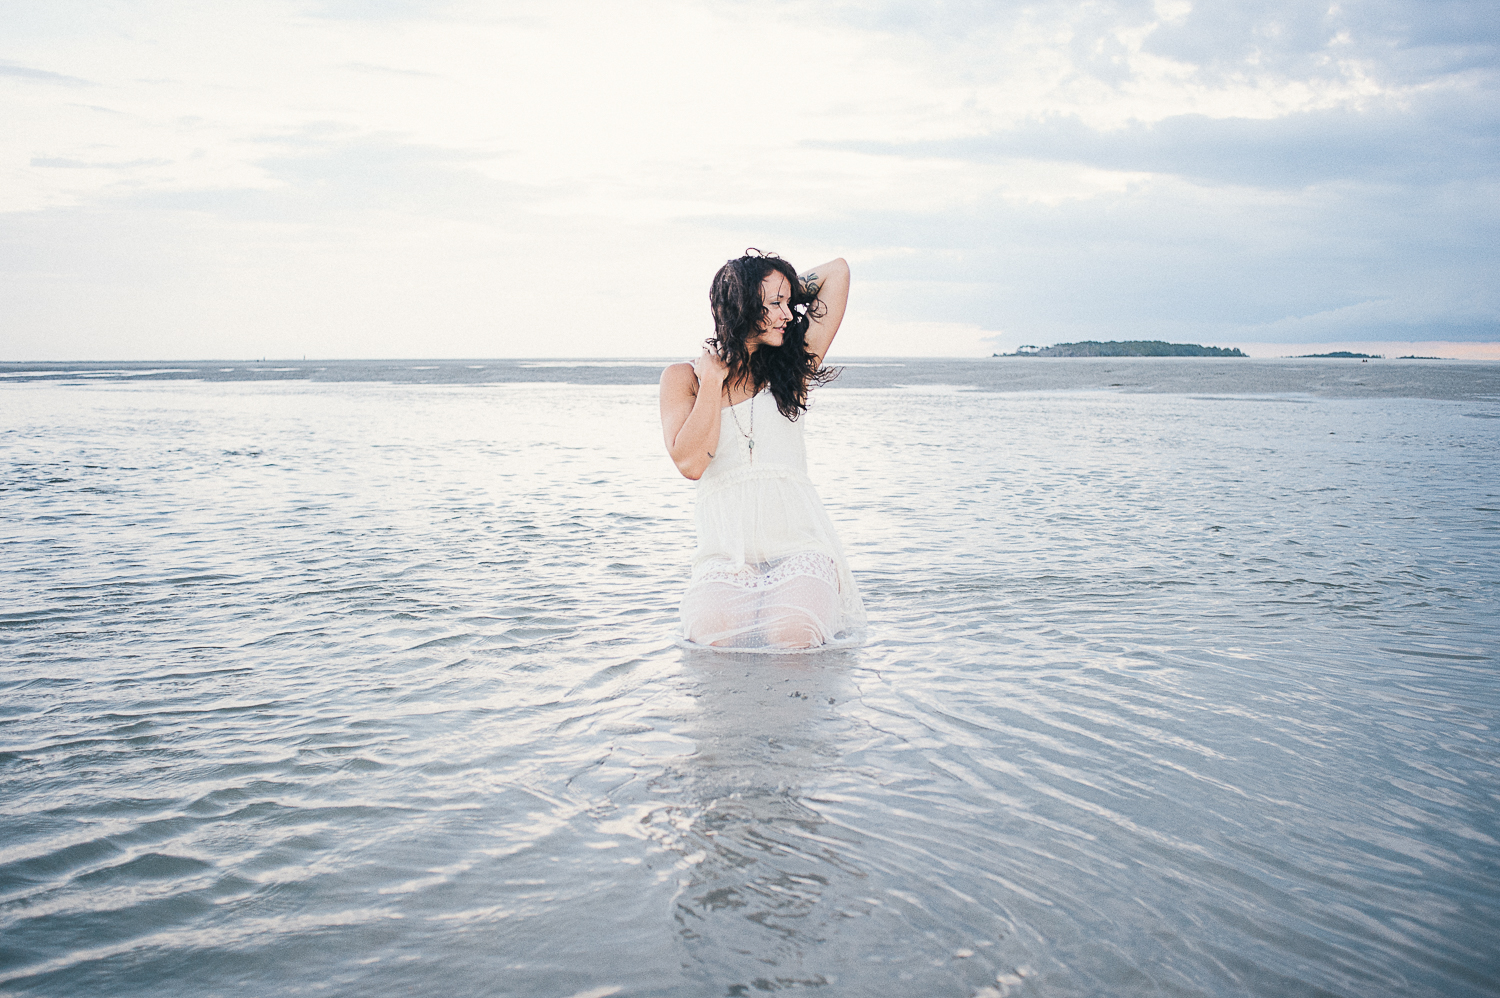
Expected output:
(346, 686)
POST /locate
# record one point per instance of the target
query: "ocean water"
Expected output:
(1181, 679)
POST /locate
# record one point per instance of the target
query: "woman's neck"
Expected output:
(741, 381)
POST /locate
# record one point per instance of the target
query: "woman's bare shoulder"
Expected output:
(679, 376)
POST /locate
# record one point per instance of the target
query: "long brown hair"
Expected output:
(739, 312)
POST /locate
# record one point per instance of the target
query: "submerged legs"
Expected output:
(790, 604)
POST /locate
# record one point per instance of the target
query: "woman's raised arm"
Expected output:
(829, 282)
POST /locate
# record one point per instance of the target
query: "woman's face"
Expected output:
(776, 295)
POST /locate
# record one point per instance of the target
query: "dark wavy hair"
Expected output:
(790, 370)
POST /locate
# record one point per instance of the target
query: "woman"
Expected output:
(769, 573)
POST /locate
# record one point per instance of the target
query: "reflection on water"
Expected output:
(370, 688)
(762, 858)
(778, 889)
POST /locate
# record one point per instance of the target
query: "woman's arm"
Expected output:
(690, 396)
(830, 283)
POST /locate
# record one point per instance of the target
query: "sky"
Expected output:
(393, 178)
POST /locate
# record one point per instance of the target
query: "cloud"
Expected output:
(1401, 41)
(1446, 137)
(41, 75)
(60, 163)
(377, 10)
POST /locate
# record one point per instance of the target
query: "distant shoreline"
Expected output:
(1124, 348)
(1476, 382)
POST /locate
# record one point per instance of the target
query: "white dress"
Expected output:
(769, 574)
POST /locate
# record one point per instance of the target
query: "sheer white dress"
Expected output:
(769, 574)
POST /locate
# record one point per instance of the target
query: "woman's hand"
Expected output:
(710, 370)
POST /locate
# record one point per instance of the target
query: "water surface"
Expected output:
(1181, 684)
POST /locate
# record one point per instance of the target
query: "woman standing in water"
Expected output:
(769, 573)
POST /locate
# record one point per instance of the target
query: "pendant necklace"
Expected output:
(749, 437)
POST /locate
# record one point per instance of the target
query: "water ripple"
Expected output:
(365, 687)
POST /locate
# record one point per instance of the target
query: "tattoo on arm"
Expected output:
(710, 455)
(812, 283)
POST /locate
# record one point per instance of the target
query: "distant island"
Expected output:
(1346, 355)
(1123, 348)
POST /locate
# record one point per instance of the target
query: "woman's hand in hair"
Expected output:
(711, 371)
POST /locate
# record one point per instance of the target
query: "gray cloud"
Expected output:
(1446, 137)
(1408, 40)
(41, 75)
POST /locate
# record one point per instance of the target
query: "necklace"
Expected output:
(749, 437)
